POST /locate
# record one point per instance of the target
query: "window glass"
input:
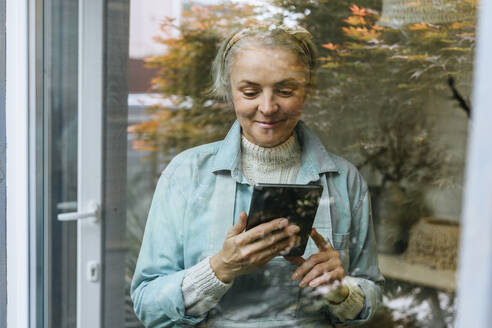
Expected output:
(60, 109)
(392, 97)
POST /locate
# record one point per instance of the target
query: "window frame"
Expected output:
(475, 265)
(3, 209)
(16, 163)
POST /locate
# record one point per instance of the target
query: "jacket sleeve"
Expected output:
(156, 285)
(363, 257)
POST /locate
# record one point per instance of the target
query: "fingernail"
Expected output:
(313, 283)
(286, 250)
(283, 223)
(294, 276)
(294, 229)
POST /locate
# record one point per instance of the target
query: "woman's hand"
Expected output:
(244, 252)
(324, 267)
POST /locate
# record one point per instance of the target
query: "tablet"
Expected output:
(297, 203)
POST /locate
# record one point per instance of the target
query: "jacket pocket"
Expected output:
(341, 245)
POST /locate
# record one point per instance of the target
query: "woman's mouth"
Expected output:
(269, 124)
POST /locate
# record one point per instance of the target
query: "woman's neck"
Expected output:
(271, 155)
(278, 164)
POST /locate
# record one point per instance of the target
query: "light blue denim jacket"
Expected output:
(198, 198)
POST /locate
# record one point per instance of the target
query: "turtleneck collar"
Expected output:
(277, 155)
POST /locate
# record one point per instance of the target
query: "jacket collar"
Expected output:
(228, 156)
(315, 159)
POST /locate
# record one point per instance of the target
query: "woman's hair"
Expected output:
(296, 39)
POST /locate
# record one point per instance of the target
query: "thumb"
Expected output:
(239, 226)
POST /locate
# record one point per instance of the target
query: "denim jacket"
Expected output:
(200, 195)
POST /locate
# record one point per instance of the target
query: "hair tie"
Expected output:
(232, 41)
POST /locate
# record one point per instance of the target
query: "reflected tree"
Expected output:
(368, 69)
(374, 80)
(194, 117)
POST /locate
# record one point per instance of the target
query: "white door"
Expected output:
(82, 232)
(89, 164)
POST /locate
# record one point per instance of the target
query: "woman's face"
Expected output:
(268, 88)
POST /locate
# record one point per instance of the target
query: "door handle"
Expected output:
(93, 214)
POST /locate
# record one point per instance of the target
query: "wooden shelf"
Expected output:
(393, 266)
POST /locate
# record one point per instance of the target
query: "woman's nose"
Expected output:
(268, 104)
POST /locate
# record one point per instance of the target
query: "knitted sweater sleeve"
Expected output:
(352, 305)
(202, 290)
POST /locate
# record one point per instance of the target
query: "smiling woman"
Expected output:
(268, 92)
(198, 265)
(267, 74)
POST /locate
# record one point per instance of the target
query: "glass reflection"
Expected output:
(61, 46)
(393, 90)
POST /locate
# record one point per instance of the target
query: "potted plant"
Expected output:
(400, 152)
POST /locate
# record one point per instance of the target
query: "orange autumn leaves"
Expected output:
(361, 27)
(362, 24)
(188, 115)
(146, 133)
(330, 46)
(359, 44)
(416, 41)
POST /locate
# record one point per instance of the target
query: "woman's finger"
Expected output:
(307, 265)
(239, 226)
(320, 242)
(294, 242)
(267, 242)
(262, 230)
(329, 277)
(317, 271)
(325, 278)
(266, 255)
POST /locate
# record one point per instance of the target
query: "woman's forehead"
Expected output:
(261, 62)
(260, 52)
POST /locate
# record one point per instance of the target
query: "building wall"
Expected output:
(145, 20)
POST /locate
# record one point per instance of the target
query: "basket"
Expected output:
(434, 242)
(396, 13)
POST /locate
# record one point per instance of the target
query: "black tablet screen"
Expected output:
(297, 203)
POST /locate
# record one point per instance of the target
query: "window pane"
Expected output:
(392, 97)
(61, 46)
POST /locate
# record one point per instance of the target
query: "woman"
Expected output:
(197, 265)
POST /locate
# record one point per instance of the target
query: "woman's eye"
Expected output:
(250, 93)
(285, 92)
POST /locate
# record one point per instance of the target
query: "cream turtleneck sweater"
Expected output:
(279, 164)
(202, 290)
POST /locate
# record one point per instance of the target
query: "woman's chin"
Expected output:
(270, 141)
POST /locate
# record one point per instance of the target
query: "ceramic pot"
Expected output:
(390, 207)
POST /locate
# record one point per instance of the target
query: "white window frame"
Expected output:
(89, 158)
(475, 265)
(17, 164)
